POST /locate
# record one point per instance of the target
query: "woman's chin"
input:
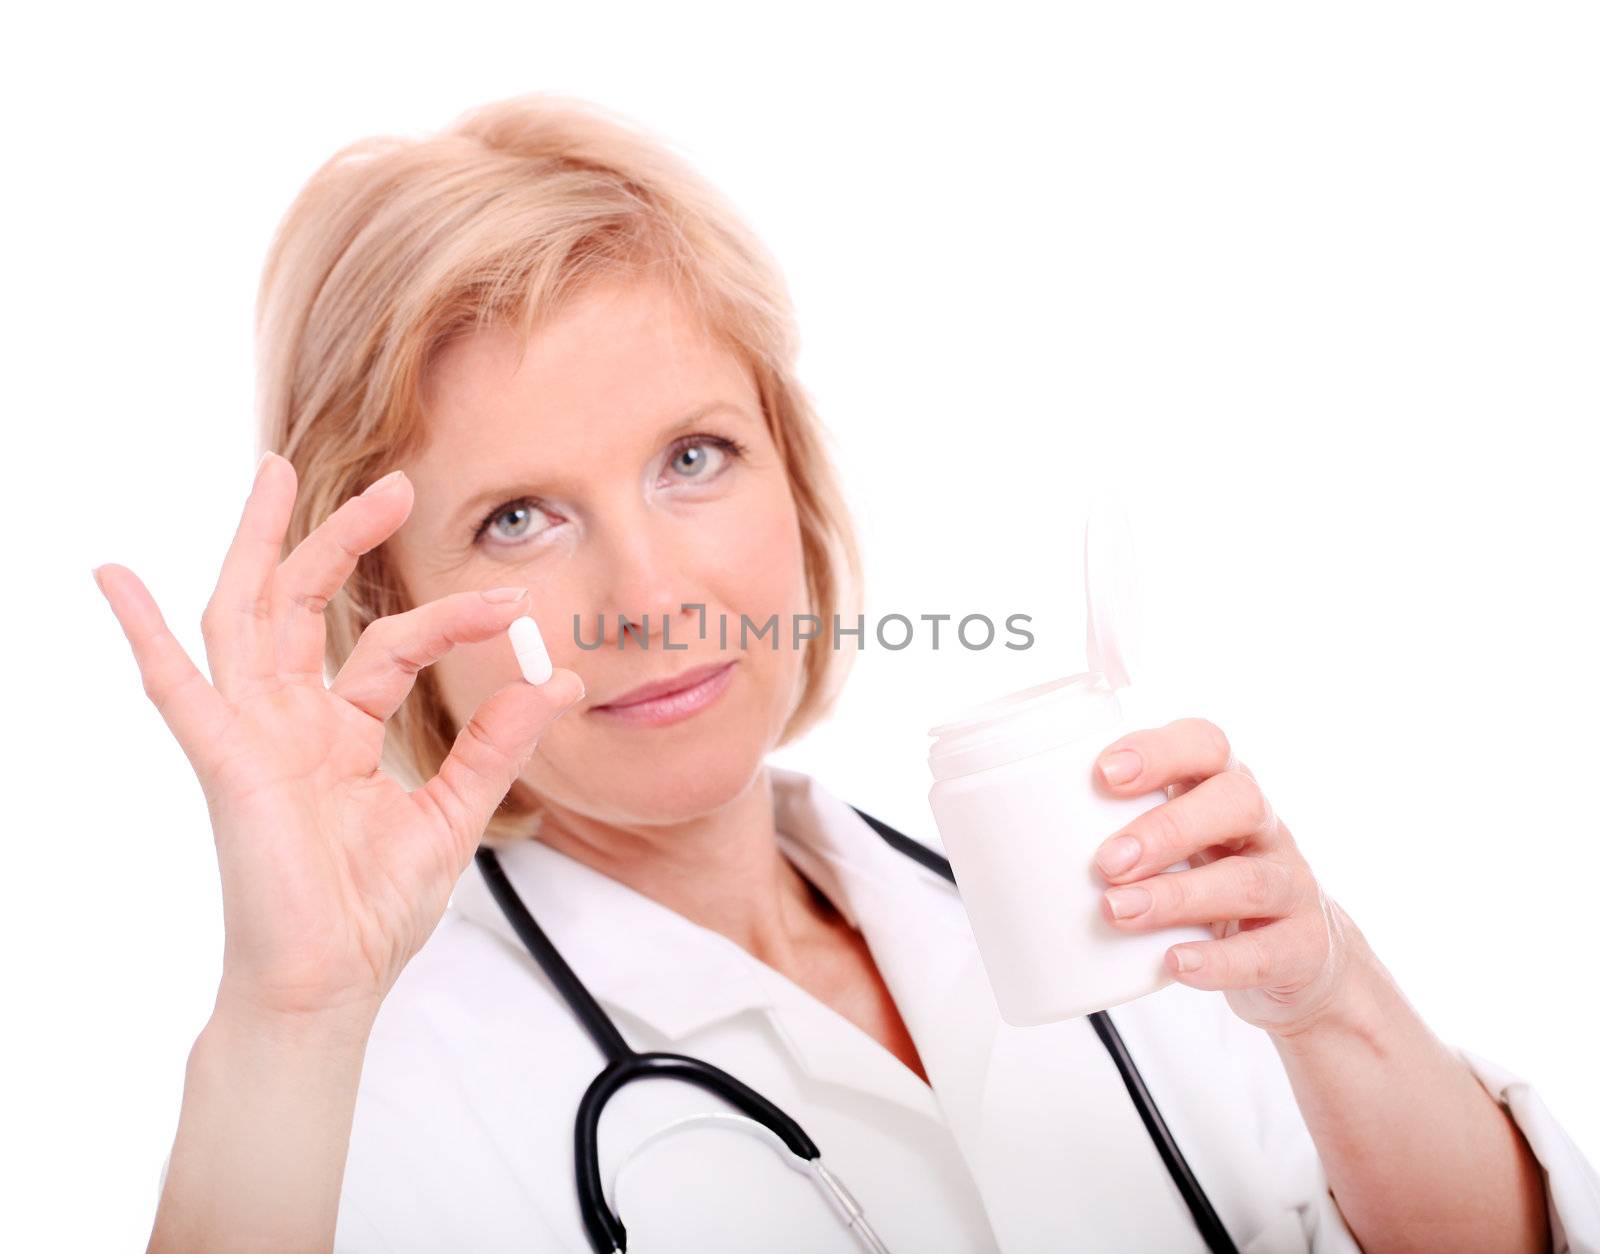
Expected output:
(664, 778)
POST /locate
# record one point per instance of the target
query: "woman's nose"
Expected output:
(644, 579)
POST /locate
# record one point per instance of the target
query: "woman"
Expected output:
(534, 366)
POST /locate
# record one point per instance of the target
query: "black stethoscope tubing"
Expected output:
(624, 1064)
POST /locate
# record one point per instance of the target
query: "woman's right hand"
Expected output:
(333, 875)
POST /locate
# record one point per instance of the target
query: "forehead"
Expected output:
(619, 355)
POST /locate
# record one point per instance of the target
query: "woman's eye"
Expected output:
(699, 458)
(704, 457)
(513, 522)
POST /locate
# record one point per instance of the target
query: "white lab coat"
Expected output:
(1026, 1141)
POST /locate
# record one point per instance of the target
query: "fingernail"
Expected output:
(1127, 902)
(1118, 854)
(1187, 959)
(378, 485)
(501, 595)
(1121, 766)
(96, 573)
(262, 464)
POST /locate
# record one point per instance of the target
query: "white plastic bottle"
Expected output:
(1021, 813)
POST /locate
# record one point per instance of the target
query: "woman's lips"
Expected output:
(689, 693)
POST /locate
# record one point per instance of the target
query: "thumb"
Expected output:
(491, 750)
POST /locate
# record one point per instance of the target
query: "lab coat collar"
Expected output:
(641, 959)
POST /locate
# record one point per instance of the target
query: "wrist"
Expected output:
(268, 1104)
(1362, 999)
(240, 1015)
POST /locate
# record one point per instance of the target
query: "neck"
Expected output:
(723, 871)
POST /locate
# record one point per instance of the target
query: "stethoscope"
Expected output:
(624, 1064)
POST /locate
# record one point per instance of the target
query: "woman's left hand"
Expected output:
(1283, 947)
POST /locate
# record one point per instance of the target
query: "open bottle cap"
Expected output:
(1108, 579)
(1060, 710)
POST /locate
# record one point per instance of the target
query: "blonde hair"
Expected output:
(397, 245)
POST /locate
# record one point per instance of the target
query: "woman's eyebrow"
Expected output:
(480, 501)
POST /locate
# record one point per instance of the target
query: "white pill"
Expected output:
(532, 656)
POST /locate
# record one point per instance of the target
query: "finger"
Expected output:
(382, 668)
(191, 707)
(237, 623)
(311, 575)
(1177, 790)
(1281, 956)
(1227, 810)
(1231, 888)
(490, 752)
(1182, 752)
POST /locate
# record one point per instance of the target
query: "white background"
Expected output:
(1314, 290)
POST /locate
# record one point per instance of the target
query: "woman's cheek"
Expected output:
(565, 607)
(762, 561)
(764, 576)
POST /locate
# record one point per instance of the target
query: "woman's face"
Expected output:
(622, 468)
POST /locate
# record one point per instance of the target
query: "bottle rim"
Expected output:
(1019, 724)
(1012, 703)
